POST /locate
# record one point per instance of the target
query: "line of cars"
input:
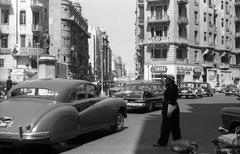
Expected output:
(53, 110)
(195, 89)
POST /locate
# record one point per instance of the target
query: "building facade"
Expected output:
(22, 25)
(100, 54)
(69, 39)
(193, 40)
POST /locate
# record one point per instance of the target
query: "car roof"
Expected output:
(145, 82)
(55, 84)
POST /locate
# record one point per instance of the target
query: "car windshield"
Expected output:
(137, 87)
(188, 84)
(29, 92)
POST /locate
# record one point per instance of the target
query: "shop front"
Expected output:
(181, 72)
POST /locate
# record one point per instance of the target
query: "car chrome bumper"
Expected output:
(221, 129)
(38, 137)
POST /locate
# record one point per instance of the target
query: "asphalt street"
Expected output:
(200, 119)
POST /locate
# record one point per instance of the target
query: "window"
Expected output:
(181, 53)
(91, 91)
(204, 1)
(23, 17)
(196, 56)
(222, 39)
(5, 16)
(205, 36)
(222, 5)
(210, 20)
(204, 17)
(1, 62)
(78, 93)
(196, 37)
(222, 22)
(159, 52)
(4, 39)
(22, 40)
(196, 17)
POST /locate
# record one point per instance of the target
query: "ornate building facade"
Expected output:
(194, 40)
(69, 39)
(22, 24)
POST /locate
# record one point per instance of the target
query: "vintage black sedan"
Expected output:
(53, 110)
(142, 95)
(190, 89)
(230, 117)
(207, 90)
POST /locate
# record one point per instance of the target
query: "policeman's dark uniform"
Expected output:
(170, 124)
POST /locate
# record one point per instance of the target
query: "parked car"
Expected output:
(142, 95)
(106, 86)
(230, 117)
(206, 88)
(231, 89)
(190, 89)
(53, 110)
(117, 88)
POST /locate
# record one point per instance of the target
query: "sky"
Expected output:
(117, 17)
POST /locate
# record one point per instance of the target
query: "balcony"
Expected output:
(196, 2)
(211, 43)
(224, 66)
(182, 20)
(196, 42)
(140, 3)
(182, 1)
(157, 40)
(208, 64)
(227, 46)
(158, 19)
(36, 28)
(5, 50)
(5, 3)
(38, 4)
(237, 3)
(182, 40)
(30, 52)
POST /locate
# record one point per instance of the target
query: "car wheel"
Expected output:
(119, 123)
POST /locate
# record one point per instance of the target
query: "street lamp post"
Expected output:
(38, 45)
(102, 92)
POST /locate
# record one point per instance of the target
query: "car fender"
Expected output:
(61, 122)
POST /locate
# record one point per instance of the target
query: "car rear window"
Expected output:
(41, 92)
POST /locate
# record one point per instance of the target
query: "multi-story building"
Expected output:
(193, 40)
(69, 39)
(22, 24)
(100, 54)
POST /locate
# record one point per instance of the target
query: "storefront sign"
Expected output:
(183, 69)
(197, 70)
(159, 69)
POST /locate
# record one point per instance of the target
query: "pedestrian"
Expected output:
(8, 84)
(170, 113)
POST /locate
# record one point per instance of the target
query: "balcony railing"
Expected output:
(5, 50)
(182, 1)
(30, 52)
(156, 40)
(207, 64)
(36, 28)
(196, 2)
(182, 20)
(183, 40)
(5, 2)
(164, 18)
(38, 4)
